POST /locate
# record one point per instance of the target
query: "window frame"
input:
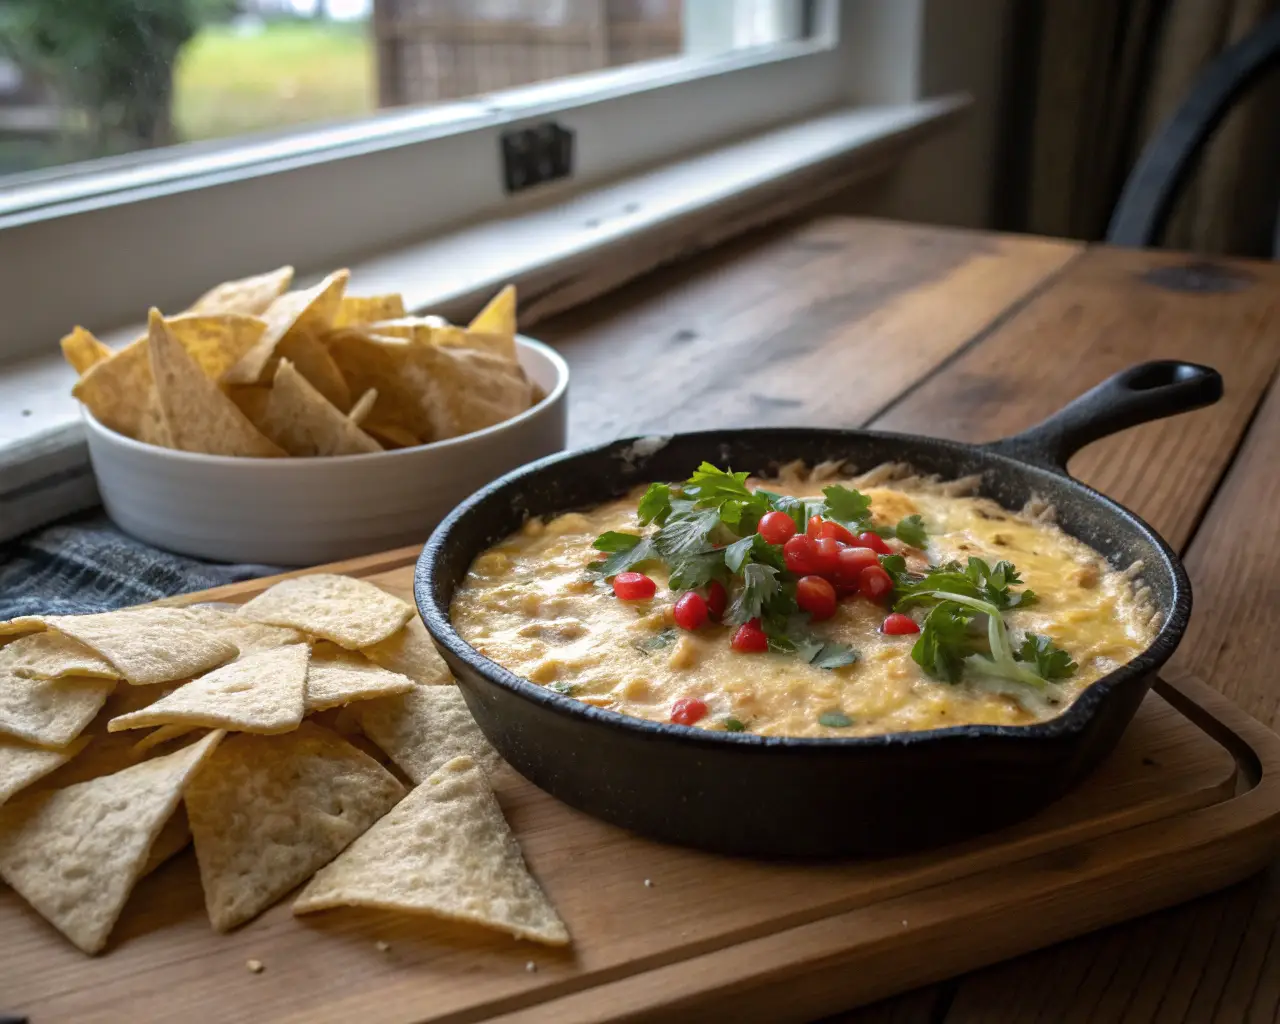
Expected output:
(99, 243)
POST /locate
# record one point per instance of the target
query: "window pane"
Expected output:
(83, 79)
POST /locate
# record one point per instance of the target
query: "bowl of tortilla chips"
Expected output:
(293, 427)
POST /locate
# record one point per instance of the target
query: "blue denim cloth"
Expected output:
(84, 564)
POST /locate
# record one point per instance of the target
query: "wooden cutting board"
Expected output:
(1189, 802)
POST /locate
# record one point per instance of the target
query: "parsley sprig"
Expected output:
(965, 629)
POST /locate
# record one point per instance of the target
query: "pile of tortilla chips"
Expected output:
(253, 369)
(311, 737)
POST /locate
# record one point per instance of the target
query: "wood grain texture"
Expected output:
(821, 324)
(1110, 309)
(1217, 959)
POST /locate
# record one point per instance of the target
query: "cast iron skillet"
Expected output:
(746, 794)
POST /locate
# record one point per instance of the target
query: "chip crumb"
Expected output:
(648, 883)
(256, 966)
(531, 967)
(904, 924)
(381, 946)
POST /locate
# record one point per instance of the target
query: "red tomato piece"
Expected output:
(814, 529)
(837, 532)
(798, 555)
(717, 598)
(874, 582)
(875, 542)
(690, 611)
(776, 527)
(750, 638)
(817, 597)
(688, 710)
(634, 586)
(851, 563)
(898, 624)
(826, 556)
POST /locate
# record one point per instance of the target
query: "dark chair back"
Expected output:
(1167, 160)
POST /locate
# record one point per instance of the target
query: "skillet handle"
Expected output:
(1148, 391)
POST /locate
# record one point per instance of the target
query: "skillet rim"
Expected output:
(1074, 720)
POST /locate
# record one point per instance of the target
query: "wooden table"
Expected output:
(844, 322)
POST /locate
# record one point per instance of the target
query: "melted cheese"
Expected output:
(528, 604)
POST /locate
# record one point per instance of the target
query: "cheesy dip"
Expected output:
(808, 605)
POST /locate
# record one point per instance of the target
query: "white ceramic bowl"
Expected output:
(308, 511)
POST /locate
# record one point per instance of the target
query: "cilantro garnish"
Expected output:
(655, 506)
(656, 642)
(706, 530)
(910, 530)
(1051, 662)
(835, 720)
(759, 584)
(568, 689)
(733, 725)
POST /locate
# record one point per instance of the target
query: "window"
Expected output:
(316, 132)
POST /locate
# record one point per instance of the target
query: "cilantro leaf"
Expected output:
(835, 720)
(910, 530)
(655, 506)
(738, 552)
(656, 642)
(833, 655)
(733, 725)
(568, 689)
(759, 584)
(727, 492)
(847, 505)
(993, 583)
(944, 642)
(685, 533)
(1051, 661)
(625, 559)
(615, 541)
(794, 507)
(697, 569)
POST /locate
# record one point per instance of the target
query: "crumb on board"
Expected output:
(256, 966)
(381, 946)
(531, 967)
(648, 883)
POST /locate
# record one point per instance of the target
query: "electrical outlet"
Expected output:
(536, 154)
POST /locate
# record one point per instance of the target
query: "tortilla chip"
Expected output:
(49, 712)
(22, 764)
(499, 316)
(152, 429)
(309, 311)
(412, 653)
(263, 693)
(303, 422)
(216, 342)
(199, 416)
(350, 612)
(248, 636)
(388, 366)
(422, 729)
(248, 295)
(363, 406)
(470, 390)
(50, 655)
(336, 676)
(389, 435)
(159, 737)
(117, 389)
(172, 840)
(106, 753)
(145, 645)
(444, 850)
(365, 309)
(82, 350)
(411, 328)
(309, 794)
(313, 361)
(74, 854)
(503, 345)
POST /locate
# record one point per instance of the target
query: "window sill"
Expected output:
(561, 254)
